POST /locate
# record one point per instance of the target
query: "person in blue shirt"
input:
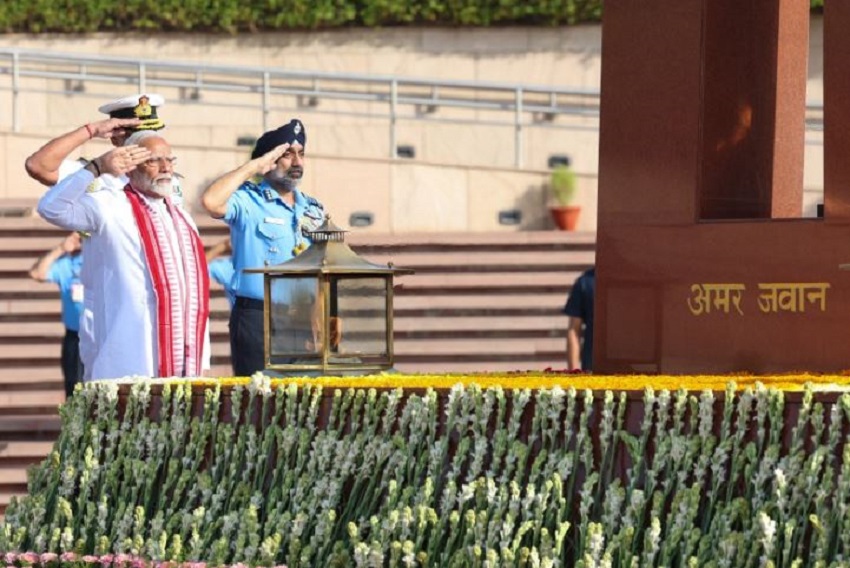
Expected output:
(61, 265)
(268, 217)
(220, 266)
(580, 327)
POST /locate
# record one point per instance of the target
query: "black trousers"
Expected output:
(246, 337)
(72, 367)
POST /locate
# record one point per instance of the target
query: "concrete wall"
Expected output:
(564, 57)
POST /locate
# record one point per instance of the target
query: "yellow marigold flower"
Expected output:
(548, 380)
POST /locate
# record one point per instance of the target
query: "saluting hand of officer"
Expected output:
(214, 199)
(112, 127)
(267, 161)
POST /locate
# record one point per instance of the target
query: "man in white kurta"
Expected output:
(119, 330)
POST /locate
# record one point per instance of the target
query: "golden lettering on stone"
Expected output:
(720, 297)
(773, 297)
(792, 297)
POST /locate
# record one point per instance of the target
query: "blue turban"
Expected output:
(286, 134)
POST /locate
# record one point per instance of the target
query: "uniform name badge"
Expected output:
(275, 221)
(77, 292)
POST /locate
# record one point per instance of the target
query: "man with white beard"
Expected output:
(268, 217)
(149, 314)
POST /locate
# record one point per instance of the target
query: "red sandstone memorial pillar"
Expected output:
(836, 79)
(703, 262)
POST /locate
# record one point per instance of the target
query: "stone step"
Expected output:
(29, 355)
(13, 381)
(443, 261)
(32, 330)
(485, 283)
(494, 349)
(17, 310)
(22, 454)
(12, 476)
(33, 375)
(16, 246)
(29, 227)
(23, 285)
(483, 259)
(30, 428)
(481, 323)
(495, 302)
(31, 402)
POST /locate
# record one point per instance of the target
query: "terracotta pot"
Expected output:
(565, 216)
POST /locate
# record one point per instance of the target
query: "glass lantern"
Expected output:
(328, 311)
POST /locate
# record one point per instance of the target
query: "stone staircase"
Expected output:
(485, 301)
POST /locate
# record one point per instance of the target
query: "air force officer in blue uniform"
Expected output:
(268, 216)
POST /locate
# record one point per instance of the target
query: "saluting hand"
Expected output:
(122, 160)
(267, 161)
(111, 127)
(215, 196)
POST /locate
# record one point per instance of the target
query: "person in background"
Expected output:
(268, 216)
(61, 266)
(579, 308)
(220, 264)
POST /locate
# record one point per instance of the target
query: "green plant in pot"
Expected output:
(563, 186)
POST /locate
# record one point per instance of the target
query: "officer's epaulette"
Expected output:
(252, 185)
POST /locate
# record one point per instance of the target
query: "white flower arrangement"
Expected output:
(153, 475)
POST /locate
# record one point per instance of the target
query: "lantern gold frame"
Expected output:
(328, 259)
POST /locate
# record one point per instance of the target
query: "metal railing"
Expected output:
(401, 98)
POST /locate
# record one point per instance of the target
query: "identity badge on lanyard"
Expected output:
(77, 291)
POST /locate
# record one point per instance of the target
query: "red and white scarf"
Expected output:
(182, 304)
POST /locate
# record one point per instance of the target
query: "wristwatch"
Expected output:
(93, 167)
